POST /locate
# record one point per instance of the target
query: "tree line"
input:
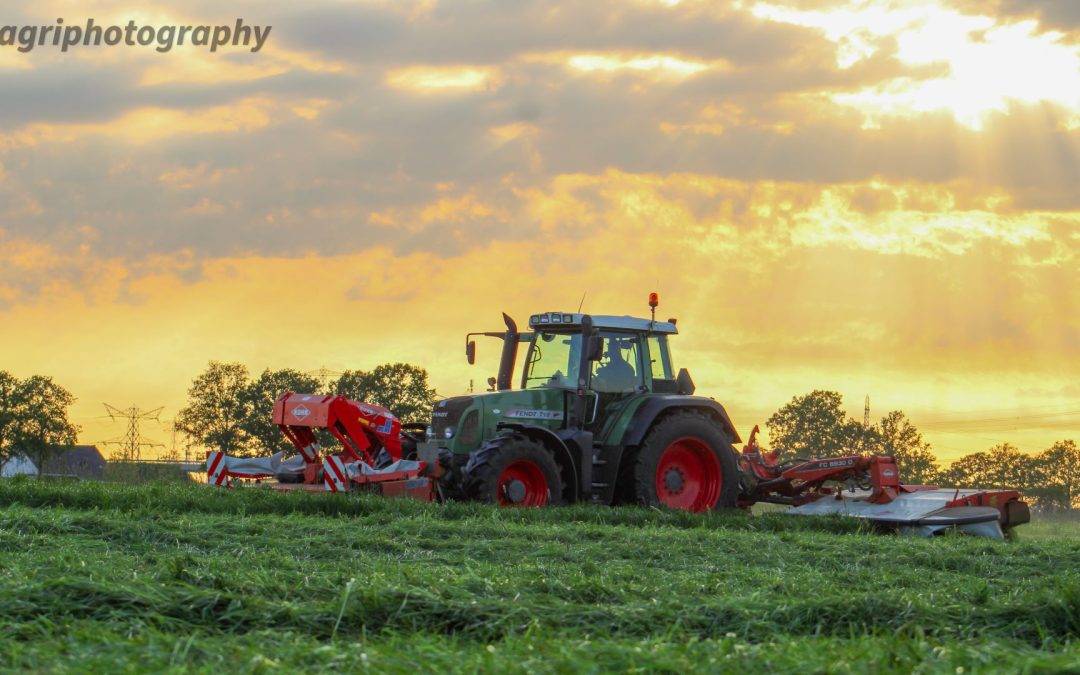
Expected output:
(815, 425)
(230, 411)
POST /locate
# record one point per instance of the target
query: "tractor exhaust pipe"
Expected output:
(509, 354)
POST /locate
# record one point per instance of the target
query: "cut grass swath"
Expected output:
(96, 576)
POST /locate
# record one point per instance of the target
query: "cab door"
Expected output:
(615, 379)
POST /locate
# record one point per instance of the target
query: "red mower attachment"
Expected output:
(870, 488)
(799, 481)
(359, 427)
(372, 442)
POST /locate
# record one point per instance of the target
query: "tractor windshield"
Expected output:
(554, 359)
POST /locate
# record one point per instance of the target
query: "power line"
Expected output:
(1001, 413)
(997, 441)
(131, 444)
(1002, 423)
(1015, 409)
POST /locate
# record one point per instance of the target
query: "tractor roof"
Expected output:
(630, 324)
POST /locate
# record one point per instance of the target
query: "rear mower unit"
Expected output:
(870, 488)
(599, 415)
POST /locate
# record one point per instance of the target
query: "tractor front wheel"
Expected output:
(686, 463)
(513, 471)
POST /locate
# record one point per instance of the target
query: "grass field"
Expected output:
(110, 578)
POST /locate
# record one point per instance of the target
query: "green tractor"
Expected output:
(600, 415)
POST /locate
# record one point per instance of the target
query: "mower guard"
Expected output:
(926, 512)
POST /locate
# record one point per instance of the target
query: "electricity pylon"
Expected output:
(132, 442)
(865, 436)
(323, 374)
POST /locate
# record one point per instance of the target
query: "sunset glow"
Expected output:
(428, 79)
(977, 64)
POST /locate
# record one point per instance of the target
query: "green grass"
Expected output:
(110, 578)
(139, 472)
(1051, 527)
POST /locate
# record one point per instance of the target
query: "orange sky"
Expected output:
(875, 198)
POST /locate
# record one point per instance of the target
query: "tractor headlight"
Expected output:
(448, 433)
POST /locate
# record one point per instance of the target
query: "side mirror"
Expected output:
(594, 347)
(470, 351)
(683, 383)
(491, 383)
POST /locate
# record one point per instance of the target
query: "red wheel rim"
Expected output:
(522, 484)
(688, 476)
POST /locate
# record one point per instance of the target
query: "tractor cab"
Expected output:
(631, 355)
(630, 359)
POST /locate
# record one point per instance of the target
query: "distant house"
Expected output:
(17, 465)
(80, 461)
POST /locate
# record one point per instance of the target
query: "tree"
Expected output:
(895, 435)
(41, 427)
(401, 388)
(968, 471)
(8, 414)
(1057, 476)
(217, 410)
(1002, 467)
(259, 396)
(813, 425)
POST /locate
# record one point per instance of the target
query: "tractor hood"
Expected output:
(460, 422)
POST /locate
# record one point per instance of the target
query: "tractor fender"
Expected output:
(655, 406)
(564, 457)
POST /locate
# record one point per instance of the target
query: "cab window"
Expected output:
(620, 368)
(660, 367)
(554, 359)
(660, 358)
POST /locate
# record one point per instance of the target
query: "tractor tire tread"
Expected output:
(688, 423)
(482, 471)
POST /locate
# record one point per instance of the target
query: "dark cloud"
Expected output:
(1061, 15)
(493, 31)
(61, 92)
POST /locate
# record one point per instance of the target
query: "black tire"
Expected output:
(408, 447)
(693, 449)
(412, 435)
(290, 477)
(493, 470)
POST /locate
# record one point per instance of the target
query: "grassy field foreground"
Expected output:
(110, 578)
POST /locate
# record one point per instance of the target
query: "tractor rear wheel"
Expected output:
(513, 471)
(686, 463)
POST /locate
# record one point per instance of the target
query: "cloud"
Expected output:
(337, 125)
(1053, 14)
(967, 46)
(85, 93)
(493, 31)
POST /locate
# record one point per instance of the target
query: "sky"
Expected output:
(876, 198)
